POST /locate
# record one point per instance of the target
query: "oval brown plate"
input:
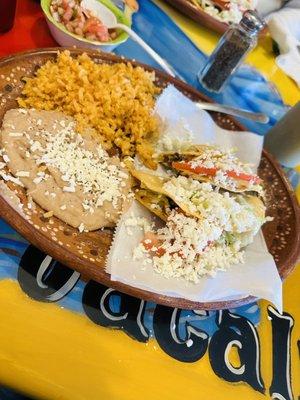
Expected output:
(199, 15)
(86, 252)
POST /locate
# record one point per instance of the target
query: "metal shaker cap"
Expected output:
(252, 22)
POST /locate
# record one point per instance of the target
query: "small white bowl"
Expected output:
(65, 38)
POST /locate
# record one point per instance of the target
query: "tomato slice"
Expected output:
(243, 177)
(199, 169)
(186, 166)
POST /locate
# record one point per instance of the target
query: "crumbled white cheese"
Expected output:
(123, 175)
(140, 222)
(78, 166)
(15, 134)
(69, 189)
(231, 14)
(86, 206)
(6, 158)
(23, 174)
(81, 228)
(222, 162)
(186, 251)
(8, 177)
(65, 178)
(37, 180)
(140, 252)
(208, 241)
(63, 207)
(228, 212)
(35, 145)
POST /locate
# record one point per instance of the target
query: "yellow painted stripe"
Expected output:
(50, 352)
(53, 353)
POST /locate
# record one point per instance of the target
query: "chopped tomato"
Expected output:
(222, 4)
(243, 177)
(67, 14)
(199, 169)
(94, 26)
(151, 241)
(186, 166)
(160, 252)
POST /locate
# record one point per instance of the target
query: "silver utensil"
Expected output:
(109, 19)
(257, 117)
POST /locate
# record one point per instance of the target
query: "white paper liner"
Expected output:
(258, 276)
(284, 29)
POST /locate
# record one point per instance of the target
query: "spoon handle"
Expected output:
(237, 112)
(165, 66)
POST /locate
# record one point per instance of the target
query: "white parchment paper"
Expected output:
(258, 276)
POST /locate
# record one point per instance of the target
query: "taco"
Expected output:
(157, 203)
(209, 164)
(206, 226)
(157, 184)
(239, 212)
(190, 247)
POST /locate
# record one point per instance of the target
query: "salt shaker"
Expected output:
(231, 51)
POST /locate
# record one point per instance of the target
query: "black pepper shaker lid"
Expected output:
(252, 22)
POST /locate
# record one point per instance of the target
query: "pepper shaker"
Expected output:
(231, 50)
